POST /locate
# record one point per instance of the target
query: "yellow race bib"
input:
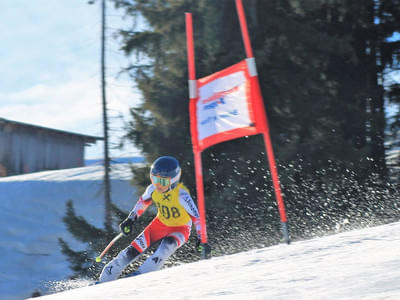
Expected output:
(170, 210)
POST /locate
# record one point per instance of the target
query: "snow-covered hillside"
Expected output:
(362, 264)
(31, 210)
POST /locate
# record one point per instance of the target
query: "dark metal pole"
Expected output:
(107, 193)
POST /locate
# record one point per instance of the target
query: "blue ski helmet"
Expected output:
(167, 166)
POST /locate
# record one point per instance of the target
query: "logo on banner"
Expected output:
(222, 105)
(214, 104)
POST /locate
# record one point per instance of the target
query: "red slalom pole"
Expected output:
(200, 195)
(263, 120)
(197, 154)
(190, 47)
(243, 26)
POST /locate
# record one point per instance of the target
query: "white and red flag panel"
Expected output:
(224, 108)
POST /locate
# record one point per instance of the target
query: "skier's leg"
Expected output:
(167, 247)
(114, 268)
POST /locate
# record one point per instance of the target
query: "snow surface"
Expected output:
(360, 264)
(31, 210)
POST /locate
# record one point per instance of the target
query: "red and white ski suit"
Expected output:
(176, 214)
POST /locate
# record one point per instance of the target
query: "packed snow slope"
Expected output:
(361, 264)
(32, 207)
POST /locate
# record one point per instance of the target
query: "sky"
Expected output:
(50, 69)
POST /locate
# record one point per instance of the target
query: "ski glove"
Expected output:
(198, 242)
(203, 249)
(200, 247)
(126, 226)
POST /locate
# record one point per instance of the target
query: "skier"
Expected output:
(172, 225)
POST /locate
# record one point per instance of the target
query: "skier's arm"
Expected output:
(187, 202)
(142, 204)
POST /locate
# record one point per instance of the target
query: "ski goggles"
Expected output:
(163, 181)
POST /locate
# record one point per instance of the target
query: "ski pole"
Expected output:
(116, 238)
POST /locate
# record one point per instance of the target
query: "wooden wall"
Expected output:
(26, 149)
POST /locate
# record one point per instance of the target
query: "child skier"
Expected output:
(172, 225)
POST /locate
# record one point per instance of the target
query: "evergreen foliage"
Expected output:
(321, 70)
(82, 262)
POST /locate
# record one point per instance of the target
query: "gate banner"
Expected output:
(224, 108)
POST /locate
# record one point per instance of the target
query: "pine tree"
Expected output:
(388, 14)
(320, 75)
(82, 262)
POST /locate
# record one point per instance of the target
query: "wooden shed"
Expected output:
(26, 148)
